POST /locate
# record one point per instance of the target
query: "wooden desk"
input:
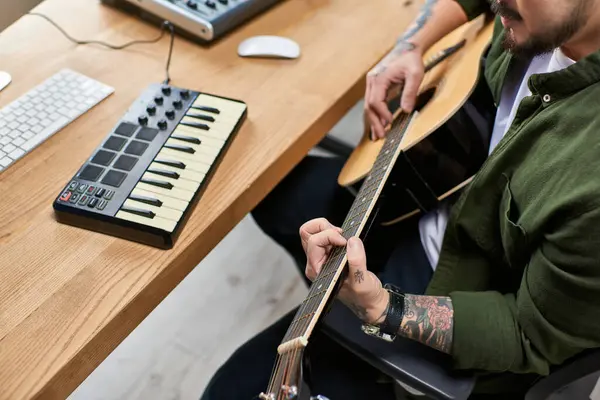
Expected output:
(69, 296)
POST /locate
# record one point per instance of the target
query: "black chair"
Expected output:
(428, 370)
(571, 371)
(419, 366)
(335, 146)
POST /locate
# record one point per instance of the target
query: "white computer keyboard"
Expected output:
(44, 110)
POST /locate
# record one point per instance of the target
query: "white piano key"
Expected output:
(180, 194)
(163, 212)
(198, 148)
(219, 125)
(156, 222)
(219, 134)
(183, 173)
(182, 156)
(223, 105)
(189, 165)
(167, 201)
(206, 140)
(223, 117)
(180, 183)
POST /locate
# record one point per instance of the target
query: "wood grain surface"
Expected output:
(69, 296)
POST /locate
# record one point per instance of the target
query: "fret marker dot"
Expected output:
(392, 141)
(351, 223)
(320, 286)
(364, 199)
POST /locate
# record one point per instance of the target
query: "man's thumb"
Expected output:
(357, 259)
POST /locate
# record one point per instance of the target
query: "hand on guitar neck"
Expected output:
(361, 291)
(426, 319)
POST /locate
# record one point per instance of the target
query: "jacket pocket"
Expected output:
(513, 235)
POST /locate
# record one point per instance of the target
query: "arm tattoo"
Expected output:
(402, 44)
(429, 320)
(420, 22)
(359, 311)
(402, 47)
(359, 276)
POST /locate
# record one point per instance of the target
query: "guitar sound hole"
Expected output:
(424, 98)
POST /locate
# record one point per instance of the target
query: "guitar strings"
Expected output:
(339, 253)
(273, 382)
(294, 332)
(284, 380)
(284, 376)
(335, 259)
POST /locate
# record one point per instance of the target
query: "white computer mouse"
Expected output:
(4, 79)
(268, 46)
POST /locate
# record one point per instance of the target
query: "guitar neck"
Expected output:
(356, 220)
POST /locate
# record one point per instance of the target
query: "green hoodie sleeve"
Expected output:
(553, 315)
(473, 8)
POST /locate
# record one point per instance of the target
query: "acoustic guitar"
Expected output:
(425, 157)
(449, 138)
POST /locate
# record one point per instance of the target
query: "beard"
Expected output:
(553, 36)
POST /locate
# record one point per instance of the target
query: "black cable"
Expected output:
(172, 29)
(165, 24)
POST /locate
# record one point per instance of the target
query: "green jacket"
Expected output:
(521, 253)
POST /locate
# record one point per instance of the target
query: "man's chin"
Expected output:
(520, 47)
(510, 42)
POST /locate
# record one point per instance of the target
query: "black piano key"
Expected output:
(196, 125)
(148, 200)
(202, 117)
(189, 139)
(170, 163)
(164, 172)
(207, 109)
(177, 147)
(162, 184)
(139, 211)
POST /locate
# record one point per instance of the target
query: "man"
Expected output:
(506, 281)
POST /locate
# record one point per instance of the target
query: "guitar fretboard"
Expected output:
(322, 287)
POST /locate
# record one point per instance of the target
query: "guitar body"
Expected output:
(448, 139)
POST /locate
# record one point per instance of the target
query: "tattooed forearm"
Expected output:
(359, 311)
(421, 20)
(402, 47)
(359, 276)
(429, 320)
